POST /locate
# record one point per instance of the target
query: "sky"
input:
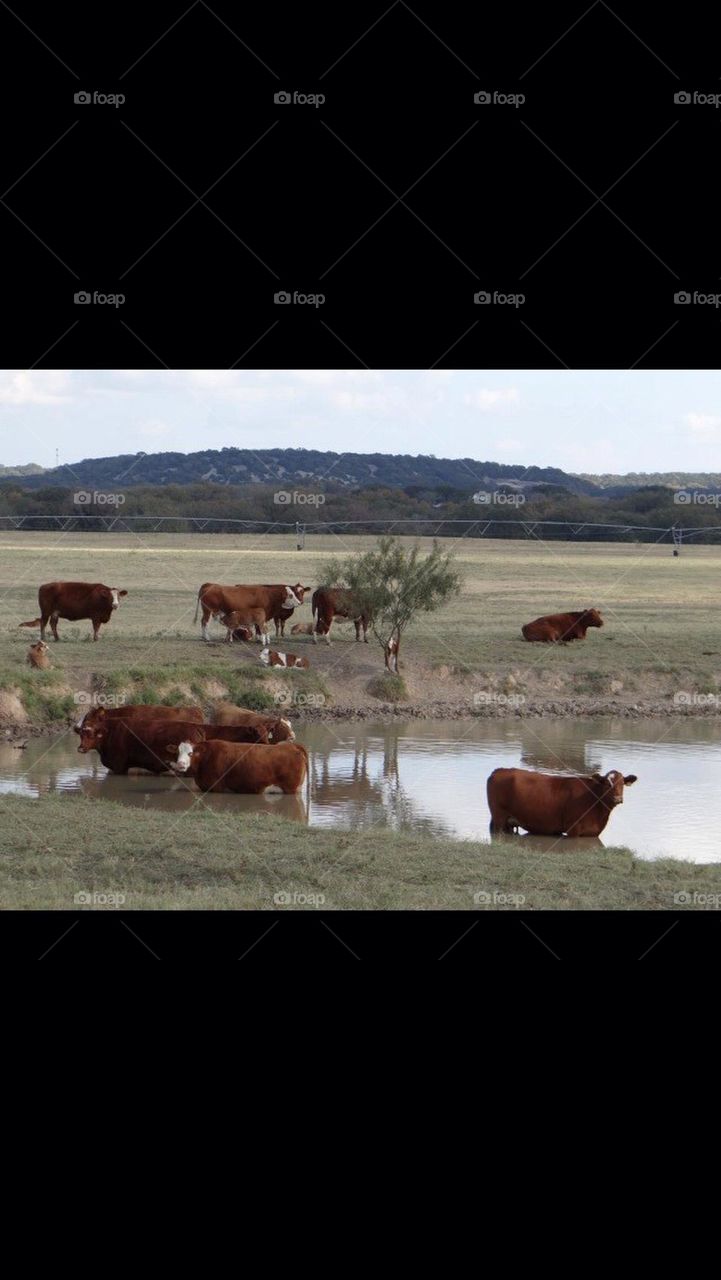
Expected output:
(582, 421)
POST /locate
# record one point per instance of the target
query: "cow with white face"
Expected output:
(273, 599)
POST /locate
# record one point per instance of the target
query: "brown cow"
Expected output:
(226, 766)
(139, 710)
(217, 599)
(561, 627)
(336, 602)
(37, 656)
(281, 616)
(75, 601)
(547, 804)
(278, 728)
(142, 744)
(270, 658)
(242, 624)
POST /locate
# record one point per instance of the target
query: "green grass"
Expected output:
(50, 850)
(388, 688)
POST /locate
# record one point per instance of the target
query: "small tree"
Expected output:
(392, 584)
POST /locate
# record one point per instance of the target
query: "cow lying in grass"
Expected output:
(251, 770)
(556, 628)
(270, 658)
(547, 804)
(37, 656)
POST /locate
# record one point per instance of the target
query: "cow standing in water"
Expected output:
(546, 804)
(75, 601)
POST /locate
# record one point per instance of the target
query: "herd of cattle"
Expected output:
(250, 752)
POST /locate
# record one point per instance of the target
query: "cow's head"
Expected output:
(112, 595)
(609, 787)
(280, 731)
(93, 734)
(182, 754)
(592, 618)
(293, 596)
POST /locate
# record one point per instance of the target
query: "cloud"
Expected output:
(705, 426)
(486, 399)
(153, 427)
(39, 386)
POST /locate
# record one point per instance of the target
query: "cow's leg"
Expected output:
(313, 637)
(43, 625)
(365, 630)
(53, 625)
(96, 628)
(357, 625)
(204, 631)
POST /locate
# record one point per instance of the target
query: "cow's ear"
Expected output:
(122, 593)
(598, 777)
(171, 748)
(630, 779)
(100, 713)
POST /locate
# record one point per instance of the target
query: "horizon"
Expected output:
(590, 423)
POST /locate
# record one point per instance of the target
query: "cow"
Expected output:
(37, 656)
(140, 710)
(227, 766)
(391, 653)
(547, 804)
(245, 621)
(282, 615)
(279, 729)
(217, 599)
(302, 629)
(270, 658)
(141, 744)
(561, 627)
(329, 603)
(75, 601)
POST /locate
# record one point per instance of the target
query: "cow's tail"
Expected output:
(314, 602)
(36, 622)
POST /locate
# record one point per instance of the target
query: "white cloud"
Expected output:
(38, 386)
(486, 399)
(705, 426)
(153, 427)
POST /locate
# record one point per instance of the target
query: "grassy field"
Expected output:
(55, 855)
(662, 615)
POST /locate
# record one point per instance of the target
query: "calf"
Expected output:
(302, 629)
(278, 728)
(142, 744)
(75, 601)
(37, 656)
(225, 766)
(552, 805)
(246, 620)
(270, 658)
(561, 627)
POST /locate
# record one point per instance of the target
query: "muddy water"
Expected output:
(430, 777)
